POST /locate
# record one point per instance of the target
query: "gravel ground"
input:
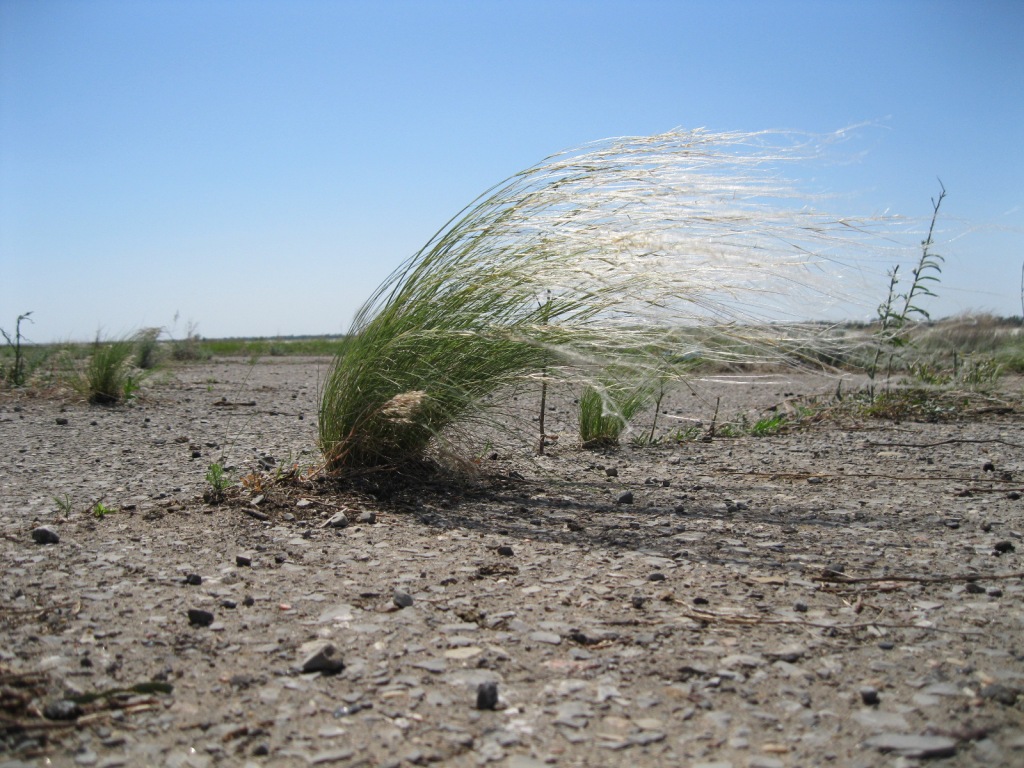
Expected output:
(849, 594)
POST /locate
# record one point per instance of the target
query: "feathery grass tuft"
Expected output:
(109, 376)
(606, 258)
(605, 412)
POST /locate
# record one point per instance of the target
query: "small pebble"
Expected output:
(194, 579)
(638, 601)
(505, 551)
(61, 421)
(367, 518)
(800, 607)
(197, 617)
(243, 561)
(625, 498)
(974, 588)
(1002, 547)
(325, 660)
(1004, 694)
(63, 709)
(869, 695)
(402, 599)
(656, 576)
(338, 520)
(487, 696)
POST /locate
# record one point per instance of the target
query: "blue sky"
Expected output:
(258, 168)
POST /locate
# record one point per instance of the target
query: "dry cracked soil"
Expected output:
(848, 594)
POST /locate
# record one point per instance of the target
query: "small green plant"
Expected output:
(16, 374)
(930, 374)
(109, 376)
(101, 510)
(604, 413)
(64, 504)
(688, 434)
(728, 429)
(219, 482)
(770, 425)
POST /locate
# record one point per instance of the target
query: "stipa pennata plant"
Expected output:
(606, 410)
(147, 348)
(109, 376)
(595, 260)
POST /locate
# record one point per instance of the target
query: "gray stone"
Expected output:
(325, 660)
(1004, 694)
(63, 709)
(402, 599)
(337, 520)
(911, 745)
(877, 722)
(644, 738)
(435, 666)
(549, 638)
(573, 714)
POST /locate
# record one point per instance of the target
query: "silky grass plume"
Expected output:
(623, 255)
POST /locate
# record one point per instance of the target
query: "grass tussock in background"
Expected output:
(593, 261)
(110, 375)
(605, 412)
